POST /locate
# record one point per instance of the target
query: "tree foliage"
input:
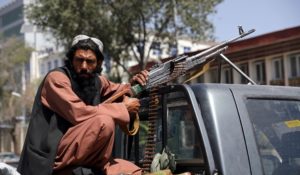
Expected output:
(13, 55)
(125, 26)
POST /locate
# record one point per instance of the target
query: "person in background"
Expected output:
(70, 129)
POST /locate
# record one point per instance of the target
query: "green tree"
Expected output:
(13, 56)
(125, 26)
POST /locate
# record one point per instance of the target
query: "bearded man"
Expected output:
(70, 127)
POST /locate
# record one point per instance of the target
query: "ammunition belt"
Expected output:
(151, 136)
(149, 153)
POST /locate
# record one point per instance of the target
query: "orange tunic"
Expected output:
(90, 140)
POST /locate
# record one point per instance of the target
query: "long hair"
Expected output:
(86, 44)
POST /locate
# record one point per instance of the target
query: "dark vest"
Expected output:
(45, 130)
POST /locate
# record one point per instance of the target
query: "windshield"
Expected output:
(276, 125)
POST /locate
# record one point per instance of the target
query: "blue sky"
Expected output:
(3, 2)
(263, 15)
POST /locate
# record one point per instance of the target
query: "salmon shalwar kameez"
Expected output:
(89, 141)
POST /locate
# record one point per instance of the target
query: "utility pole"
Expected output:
(20, 125)
(175, 25)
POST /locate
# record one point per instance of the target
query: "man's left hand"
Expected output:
(140, 78)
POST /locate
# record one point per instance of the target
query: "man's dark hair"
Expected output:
(86, 44)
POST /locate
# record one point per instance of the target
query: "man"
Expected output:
(70, 128)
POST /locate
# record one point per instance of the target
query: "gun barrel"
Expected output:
(160, 73)
(221, 45)
(194, 61)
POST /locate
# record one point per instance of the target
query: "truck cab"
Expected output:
(223, 129)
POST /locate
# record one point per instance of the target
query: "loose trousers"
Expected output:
(89, 144)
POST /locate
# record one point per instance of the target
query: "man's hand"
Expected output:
(140, 78)
(132, 104)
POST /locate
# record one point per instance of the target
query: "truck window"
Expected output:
(182, 136)
(176, 129)
(276, 124)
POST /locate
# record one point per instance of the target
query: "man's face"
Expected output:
(85, 63)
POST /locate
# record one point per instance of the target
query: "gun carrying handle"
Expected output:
(136, 122)
(135, 90)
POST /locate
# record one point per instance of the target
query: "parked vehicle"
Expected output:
(9, 158)
(223, 129)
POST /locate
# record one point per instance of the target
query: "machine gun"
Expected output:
(166, 72)
(172, 69)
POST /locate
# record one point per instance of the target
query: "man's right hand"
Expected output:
(132, 104)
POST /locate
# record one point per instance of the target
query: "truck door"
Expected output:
(180, 128)
(182, 134)
(271, 122)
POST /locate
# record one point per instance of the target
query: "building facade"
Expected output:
(13, 23)
(11, 18)
(269, 59)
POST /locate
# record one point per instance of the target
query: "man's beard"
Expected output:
(86, 86)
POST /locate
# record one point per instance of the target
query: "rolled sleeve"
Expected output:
(57, 95)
